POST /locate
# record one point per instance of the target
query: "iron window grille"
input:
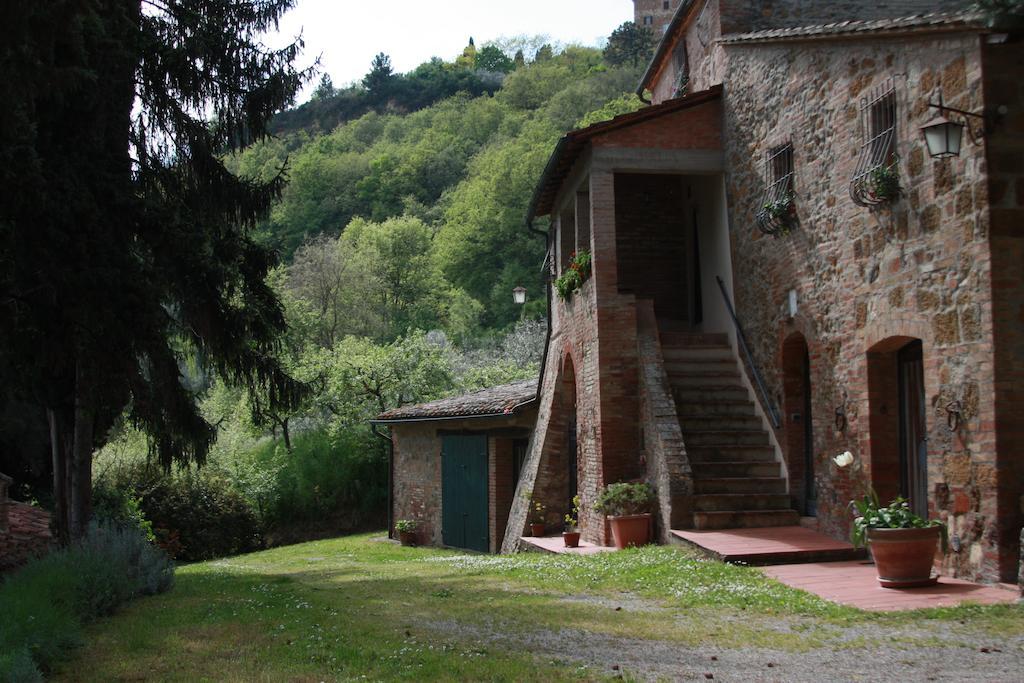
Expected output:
(777, 214)
(876, 177)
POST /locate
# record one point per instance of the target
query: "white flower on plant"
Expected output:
(843, 459)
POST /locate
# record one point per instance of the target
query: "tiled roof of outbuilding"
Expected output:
(931, 21)
(507, 399)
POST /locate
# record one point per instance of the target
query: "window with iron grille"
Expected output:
(777, 214)
(876, 177)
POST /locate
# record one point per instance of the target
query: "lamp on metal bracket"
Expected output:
(944, 134)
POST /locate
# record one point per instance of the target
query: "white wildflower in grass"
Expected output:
(843, 459)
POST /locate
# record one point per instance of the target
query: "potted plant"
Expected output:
(571, 535)
(537, 524)
(778, 216)
(884, 183)
(628, 506)
(903, 544)
(577, 272)
(406, 529)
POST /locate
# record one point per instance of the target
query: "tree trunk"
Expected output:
(59, 451)
(286, 433)
(81, 458)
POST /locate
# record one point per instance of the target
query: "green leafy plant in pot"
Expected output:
(571, 535)
(903, 544)
(628, 506)
(406, 529)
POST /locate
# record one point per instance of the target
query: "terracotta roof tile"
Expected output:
(916, 22)
(506, 399)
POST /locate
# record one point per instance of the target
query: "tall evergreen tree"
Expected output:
(380, 81)
(126, 247)
(629, 44)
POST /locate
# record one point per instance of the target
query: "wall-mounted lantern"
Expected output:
(944, 134)
(519, 295)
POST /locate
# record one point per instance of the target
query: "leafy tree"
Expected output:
(125, 244)
(520, 60)
(544, 54)
(629, 44)
(491, 58)
(380, 81)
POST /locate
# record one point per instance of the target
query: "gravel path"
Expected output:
(944, 651)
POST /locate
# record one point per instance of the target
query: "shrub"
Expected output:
(199, 516)
(47, 600)
(116, 506)
(329, 474)
(625, 498)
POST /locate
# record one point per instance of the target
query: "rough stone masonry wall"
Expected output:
(920, 268)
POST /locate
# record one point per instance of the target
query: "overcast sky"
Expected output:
(346, 34)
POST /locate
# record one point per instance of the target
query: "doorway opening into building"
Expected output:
(796, 364)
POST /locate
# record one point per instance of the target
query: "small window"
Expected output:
(648, 20)
(778, 208)
(665, 4)
(567, 235)
(875, 180)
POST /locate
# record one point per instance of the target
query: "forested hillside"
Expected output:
(402, 236)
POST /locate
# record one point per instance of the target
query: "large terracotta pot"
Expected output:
(537, 529)
(407, 538)
(571, 538)
(631, 530)
(904, 557)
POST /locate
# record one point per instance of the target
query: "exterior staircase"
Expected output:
(737, 481)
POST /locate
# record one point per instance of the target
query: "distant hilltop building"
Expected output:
(655, 14)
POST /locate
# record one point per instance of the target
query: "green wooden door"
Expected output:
(464, 492)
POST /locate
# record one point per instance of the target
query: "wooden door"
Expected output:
(464, 499)
(913, 429)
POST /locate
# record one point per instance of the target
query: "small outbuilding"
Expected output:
(455, 463)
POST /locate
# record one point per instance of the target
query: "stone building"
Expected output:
(654, 14)
(781, 272)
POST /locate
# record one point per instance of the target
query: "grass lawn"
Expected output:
(359, 607)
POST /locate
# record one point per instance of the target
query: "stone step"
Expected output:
(744, 519)
(720, 502)
(692, 340)
(708, 408)
(694, 394)
(729, 453)
(713, 354)
(739, 485)
(730, 437)
(701, 367)
(736, 470)
(701, 380)
(719, 422)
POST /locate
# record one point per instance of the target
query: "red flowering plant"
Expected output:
(577, 272)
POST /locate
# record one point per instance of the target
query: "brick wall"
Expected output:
(869, 279)
(651, 241)
(660, 11)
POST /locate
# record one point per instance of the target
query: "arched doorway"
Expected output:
(898, 421)
(796, 365)
(571, 440)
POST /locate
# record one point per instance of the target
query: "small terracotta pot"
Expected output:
(407, 537)
(537, 529)
(571, 538)
(631, 530)
(904, 557)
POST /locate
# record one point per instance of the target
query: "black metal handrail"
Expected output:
(773, 412)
